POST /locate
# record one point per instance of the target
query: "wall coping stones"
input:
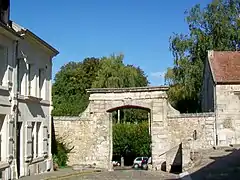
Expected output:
(131, 89)
(191, 115)
(69, 118)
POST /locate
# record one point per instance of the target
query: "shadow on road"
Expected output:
(223, 167)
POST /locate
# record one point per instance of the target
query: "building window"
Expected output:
(35, 139)
(29, 79)
(38, 125)
(23, 73)
(33, 80)
(19, 72)
(4, 62)
(3, 139)
(41, 83)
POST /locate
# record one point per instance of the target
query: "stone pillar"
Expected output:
(110, 165)
(159, 132)
(186, 149)
(122, 161)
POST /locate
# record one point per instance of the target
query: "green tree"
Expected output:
(69, 90)
(71, 82)
(114, 74)
(134, 136)
(131, 115)
(215, 27)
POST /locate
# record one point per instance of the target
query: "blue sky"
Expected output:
(140, 29)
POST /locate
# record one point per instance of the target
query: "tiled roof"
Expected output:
(225, 66)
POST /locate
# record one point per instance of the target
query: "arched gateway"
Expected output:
(174, 135)
(105, 100)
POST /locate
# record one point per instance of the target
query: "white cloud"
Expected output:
(158, 75)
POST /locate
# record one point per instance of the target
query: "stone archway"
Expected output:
(89, 134)
(128, 106)
(103, 100)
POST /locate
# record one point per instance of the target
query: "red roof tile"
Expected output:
(225, 66)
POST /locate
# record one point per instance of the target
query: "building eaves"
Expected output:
(26, 32)
(44, 43)
(10, 30)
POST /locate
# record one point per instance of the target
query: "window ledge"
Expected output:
(37, 159)
(29, 98)
(34, 99)
(4, 165)
(4, 88)
(46, 102)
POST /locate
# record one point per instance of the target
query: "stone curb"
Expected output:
(72, 174)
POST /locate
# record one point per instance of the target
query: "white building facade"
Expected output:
(25, 102)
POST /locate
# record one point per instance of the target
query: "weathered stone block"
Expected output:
(158, 117)
(33, 169)
(42, 166)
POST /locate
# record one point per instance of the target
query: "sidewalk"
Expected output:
(61, 173)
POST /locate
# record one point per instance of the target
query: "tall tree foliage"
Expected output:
(215, 27)
(114, 74)
(131, 115)
(71, 82)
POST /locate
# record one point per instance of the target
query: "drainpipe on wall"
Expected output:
(15, 109)
(50, 163)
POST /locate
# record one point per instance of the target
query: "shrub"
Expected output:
(60, 156)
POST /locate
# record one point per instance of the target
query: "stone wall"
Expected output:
(84, 134)
(228, 114)
(171, 132)
(91, 132)
(181, 130)
(79, 133)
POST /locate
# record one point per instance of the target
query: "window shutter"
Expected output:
(45, 139)
(10, 137)
(29, 143)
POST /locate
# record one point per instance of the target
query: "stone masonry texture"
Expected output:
(90, 133)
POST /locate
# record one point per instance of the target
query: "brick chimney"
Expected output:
(5, 11)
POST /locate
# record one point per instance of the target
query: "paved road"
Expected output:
(126, 175)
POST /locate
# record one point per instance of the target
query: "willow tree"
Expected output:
(214, 27)
(113, 73)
